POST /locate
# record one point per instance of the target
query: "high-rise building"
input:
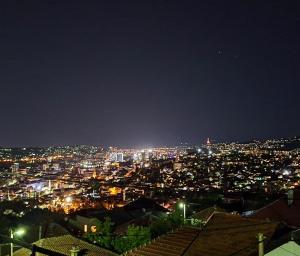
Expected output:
(208, 141)
(209, 146)
(119, 157)
(143, 156)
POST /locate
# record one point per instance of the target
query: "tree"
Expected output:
(134, 237)
(167, 223)
(160, 226)
(104, 237)
(94, 184)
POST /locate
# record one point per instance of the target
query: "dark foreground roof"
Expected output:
(279, 210)
(144, 203)
(63, 244)
(172, 244)
(225, 234)
(207, 213)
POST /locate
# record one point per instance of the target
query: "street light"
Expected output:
(68, 204)
(18, 232)
(69, 199)
(183, 206)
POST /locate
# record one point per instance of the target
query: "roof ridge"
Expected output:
(267, 205)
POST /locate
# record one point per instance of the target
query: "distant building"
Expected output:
(208, 143)
(119, 157)
(45, 167)
(144, 156)
(177, 166)
(56, 167)
(15, 167)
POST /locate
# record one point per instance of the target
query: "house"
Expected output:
(285, 209)
(172, 244)
(85, 224)
(140, 212)
(67, 245)
(202, 217)
(224, 234)
(145, 204)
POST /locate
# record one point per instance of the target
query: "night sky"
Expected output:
(147, 73)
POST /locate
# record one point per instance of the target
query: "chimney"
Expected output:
(74, 251)
(261, 239)
(290, 197)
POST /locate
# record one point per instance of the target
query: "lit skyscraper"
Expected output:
(120, 157)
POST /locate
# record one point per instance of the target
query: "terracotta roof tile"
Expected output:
(173, 244)
(63, 244)
(279, 210)
(207, 213)
(225, 234)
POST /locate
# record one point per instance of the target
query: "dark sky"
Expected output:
(136, 73)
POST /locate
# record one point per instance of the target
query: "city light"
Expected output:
(19, 232)
(69, 199)
(183, 206)
(150, 128)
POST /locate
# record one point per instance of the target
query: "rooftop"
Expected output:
(63, 244)
(279, 210)
(225, 234)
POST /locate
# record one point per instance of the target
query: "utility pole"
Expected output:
(40, 232)
(11, 244)
(183, 206)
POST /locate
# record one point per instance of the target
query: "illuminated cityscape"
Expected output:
(78, 187)
(149, 128)
(67, 179)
